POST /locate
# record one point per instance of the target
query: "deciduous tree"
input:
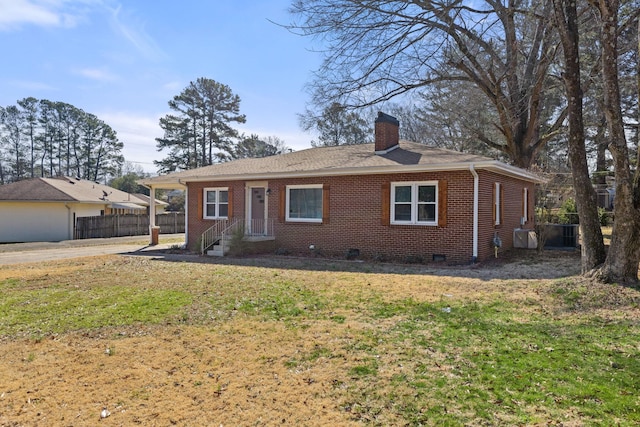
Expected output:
(336, 125)
(621, 264)
(255, 146)
(378, 50)
(593, 253)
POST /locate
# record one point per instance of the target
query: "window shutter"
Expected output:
(283, 203)
(325, 203)
(230, 202)
(385, 203)
(200, 204)
(442, 203)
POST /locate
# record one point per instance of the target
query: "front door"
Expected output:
(257, 211)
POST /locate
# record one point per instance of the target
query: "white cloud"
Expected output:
(138, 133)
(134, 32)
(47, 13)
(99, 74)
(33, 85)
(173, 87)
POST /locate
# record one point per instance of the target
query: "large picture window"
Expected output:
(414, 203)
(216, 203)
(304, 203)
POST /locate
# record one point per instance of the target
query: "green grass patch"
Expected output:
(561, 352)
(485, 360)
(305, 359)
(367, 369)
(278, 300)
(64, 308)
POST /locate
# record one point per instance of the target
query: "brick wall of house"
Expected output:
(512, 211)
(355, 217)
(196, 225)
(355, 220)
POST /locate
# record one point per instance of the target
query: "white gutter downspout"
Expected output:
(476, 190)
(186, 210)
(152, 216)
(70, 224)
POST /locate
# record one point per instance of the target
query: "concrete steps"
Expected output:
(219, 250)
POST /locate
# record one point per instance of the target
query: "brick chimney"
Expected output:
(387, 132)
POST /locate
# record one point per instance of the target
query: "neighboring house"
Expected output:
(45, 209)
(144, 199)
(388, 200)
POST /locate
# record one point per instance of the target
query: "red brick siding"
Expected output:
(386, 135)
(511, 211)
(355, 217)
(195, 223)
(355, 221)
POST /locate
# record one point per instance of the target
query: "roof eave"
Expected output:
(165, 184)
(492, 165)
(508, 170)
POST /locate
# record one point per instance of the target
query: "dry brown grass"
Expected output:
(229, 368)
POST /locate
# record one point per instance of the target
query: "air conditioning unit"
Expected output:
(524, 239)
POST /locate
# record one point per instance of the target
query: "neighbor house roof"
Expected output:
(145, 199)
(341, 160)
(65, 189)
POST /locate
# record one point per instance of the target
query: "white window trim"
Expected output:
(414, 203)
(296, 187)
(498, 202)
(205, 204)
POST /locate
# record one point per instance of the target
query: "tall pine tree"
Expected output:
(200, 131)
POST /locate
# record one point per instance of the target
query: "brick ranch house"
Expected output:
(393, 199)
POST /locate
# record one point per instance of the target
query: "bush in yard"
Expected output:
(603, 215)
(568, 212)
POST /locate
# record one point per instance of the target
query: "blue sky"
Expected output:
(123, 61)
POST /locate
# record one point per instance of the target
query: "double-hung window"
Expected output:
(497, 203)
(216, 203)
(304, 203)
(525, 205)
(414, 203)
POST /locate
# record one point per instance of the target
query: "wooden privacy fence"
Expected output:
(92, 227)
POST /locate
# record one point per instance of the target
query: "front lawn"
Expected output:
(261, 341)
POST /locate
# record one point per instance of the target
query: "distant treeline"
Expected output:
(42, 138)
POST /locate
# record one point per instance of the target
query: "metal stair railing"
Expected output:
(227, 233)
(260, 228)
(224, 230)
(212, 234)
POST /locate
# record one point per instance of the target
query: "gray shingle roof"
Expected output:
(338, 160)
(64, 189)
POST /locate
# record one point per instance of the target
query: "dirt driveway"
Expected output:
(17, 253)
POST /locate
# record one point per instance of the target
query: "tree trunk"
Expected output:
(622, 261)
(593, 251)
(600, 178)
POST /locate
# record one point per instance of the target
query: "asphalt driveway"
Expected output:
(17, 253)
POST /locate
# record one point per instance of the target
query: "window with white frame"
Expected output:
(304, 203)
(414, 203)
(497, 203)
(216, 203)
(525, 205)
